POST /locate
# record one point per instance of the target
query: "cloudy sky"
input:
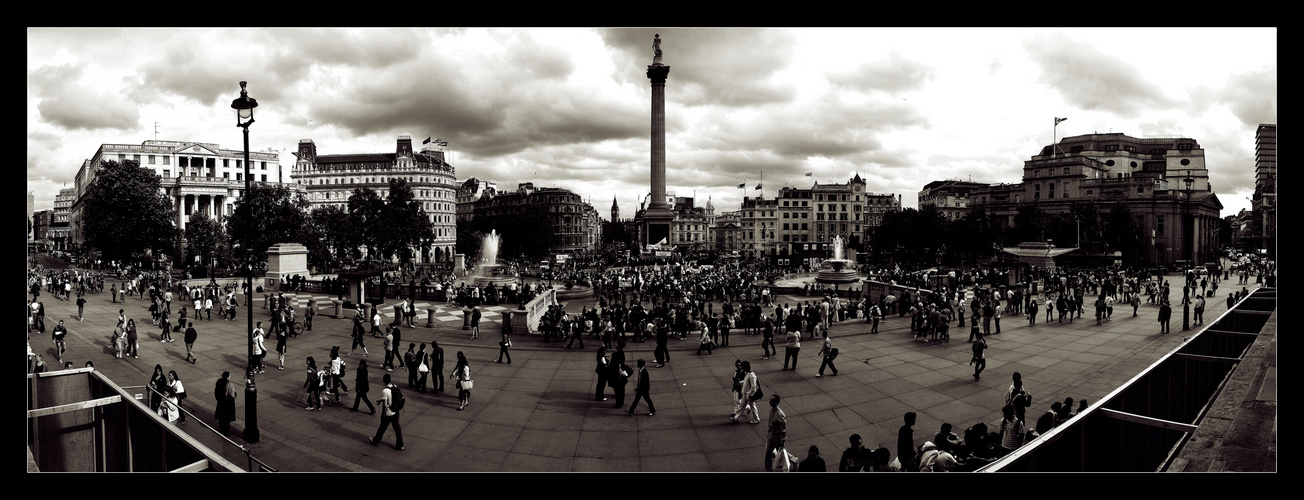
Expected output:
(570, 107)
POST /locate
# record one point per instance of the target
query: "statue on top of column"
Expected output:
(656, 46)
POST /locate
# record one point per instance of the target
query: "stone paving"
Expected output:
(538, 413)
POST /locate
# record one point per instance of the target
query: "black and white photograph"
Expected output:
(545, 235)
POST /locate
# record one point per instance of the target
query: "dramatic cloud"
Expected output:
(1094, 80)
(66, 103)
(894, 74)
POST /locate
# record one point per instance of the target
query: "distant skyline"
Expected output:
(569, 107)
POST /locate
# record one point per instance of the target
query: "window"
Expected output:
(1050, 193)
(167, 160)
(167, 173)
(1159, 225)
(1066, 170)
(151, 159)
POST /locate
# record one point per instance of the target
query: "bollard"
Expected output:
(339, 308)
(430, 317)
(466, 319)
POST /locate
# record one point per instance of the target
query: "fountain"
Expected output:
(490, 271)
(838, 269)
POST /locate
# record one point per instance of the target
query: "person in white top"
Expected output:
(745, 403)
(176, 395)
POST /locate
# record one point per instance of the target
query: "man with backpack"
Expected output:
(391, 402)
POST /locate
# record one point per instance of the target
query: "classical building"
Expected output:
(573, 224)
(41, 228)
(1162, 181)
(197, 176)
(331, 179)
(1263, 227)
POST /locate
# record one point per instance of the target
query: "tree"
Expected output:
(407, 225)
(1030, 224)
(366, 216)
(127, 213)
(335, 235)
(264, 216)
(468, 240)
(206, 239)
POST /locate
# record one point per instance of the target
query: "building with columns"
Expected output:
(1163, 181)
(331, 179)
(197, 176)
(60, 218)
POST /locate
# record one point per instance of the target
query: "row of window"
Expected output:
(184, 161)
(239, 176)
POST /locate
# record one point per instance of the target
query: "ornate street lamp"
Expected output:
(1187, 243)
(244, 117)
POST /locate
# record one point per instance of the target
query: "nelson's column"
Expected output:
(656, 220)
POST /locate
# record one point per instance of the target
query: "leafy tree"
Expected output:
(366, 216)
(264, 216)
(406, 224)
(468, 240)
(336, 235)
(127, 213)
(1030, 224)
(206, 238)
(972, 236)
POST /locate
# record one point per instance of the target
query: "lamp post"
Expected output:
(244, 117)
(1187, 243)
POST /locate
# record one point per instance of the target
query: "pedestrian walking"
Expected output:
(189, 338)
(58, 335)
(282, 347)
(827, 355)
(506, 341)
(462, 373)
(475, 324)
(437, 365)
(391, 403)
(224, 392)
(337, 374)
(1165, 313)
(641, 391)
(260, 351)
(979, 360)
(792, 349)
(312, 385)
(777, 435)
(422, 361)
(361, 386)
(749, 391)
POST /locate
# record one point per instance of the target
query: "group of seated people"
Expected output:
(946, 451)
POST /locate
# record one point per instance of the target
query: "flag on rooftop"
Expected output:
(1058, 120)
(808, 174)
(427, 141)
(758, 186)
(741, 186)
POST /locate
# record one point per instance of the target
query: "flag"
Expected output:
(1058, 120)
(808, 174)
(440, 141)
(427, 141)
(758, 186)
(741, 186)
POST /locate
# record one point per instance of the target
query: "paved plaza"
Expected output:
(538, 413)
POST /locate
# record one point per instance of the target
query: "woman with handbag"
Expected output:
(506, 341)
(748, 394)
(157, 382)
(462, 373)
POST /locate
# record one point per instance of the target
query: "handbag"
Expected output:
(423, 368)
(756, 396)
(467, 384)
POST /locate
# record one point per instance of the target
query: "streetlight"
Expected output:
(1187, 243)
(244, 117)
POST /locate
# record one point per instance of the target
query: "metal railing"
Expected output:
(1142, 425)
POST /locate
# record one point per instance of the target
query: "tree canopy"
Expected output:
(264, 216)
(127, 213)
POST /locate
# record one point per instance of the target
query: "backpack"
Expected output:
(396, 399)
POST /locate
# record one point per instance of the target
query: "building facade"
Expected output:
(951, 197)
(331, 179)
(1163, 181)
(198, 177)
(573, 224)
(758, 220)
(60, 218)
(1263, 227)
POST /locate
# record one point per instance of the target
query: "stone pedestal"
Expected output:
(339, 308)
(466, 319)
(284, 260)
(430, 317)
